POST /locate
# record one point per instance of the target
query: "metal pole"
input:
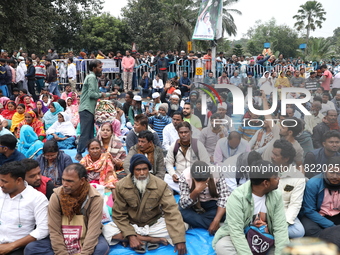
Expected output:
(213, 57)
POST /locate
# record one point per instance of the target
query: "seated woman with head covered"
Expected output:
(63, 132)
(37, 125)
(29, 143)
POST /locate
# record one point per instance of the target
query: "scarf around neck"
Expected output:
(71, 205)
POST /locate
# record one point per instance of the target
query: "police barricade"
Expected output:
(196, 69)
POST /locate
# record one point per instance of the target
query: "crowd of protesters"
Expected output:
(274, 176)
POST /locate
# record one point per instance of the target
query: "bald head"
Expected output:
(316, 106)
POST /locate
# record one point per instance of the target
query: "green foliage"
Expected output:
(148, 24)
(336, 40)
(252, 48)
(103, 32)
(37, 25)
(238, 50)
(281, 37)
(309, 17)
(169, 24)
(320, 48)
(223, 45)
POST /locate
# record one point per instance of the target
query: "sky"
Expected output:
(282, 11)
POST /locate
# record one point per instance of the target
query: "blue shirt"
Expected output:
(15, 156)
(235, 80)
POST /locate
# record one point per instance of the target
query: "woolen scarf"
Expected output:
(149, 151)
(71, 205)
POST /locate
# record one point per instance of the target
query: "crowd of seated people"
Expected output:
(151, 150)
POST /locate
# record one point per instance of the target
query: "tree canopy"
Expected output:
(39, 24)
(281, 37)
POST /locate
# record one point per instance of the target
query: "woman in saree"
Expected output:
(18, 117)
(51, 116)
(99, 165)
(37, 125)
(29, 143)
(29, 103)
(10, 110)
(112, 144)
(40, 109)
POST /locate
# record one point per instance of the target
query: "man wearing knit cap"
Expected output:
(160, 120)
(145, 212)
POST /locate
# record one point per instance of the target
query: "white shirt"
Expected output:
(71, 71)
(27, 209)
(20, 75)
(292, 185)
(157, 85)
(259, 204)
(336, 81)
(170, 136)
(328, 106)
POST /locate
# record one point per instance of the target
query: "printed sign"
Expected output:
(72, 236)
(312, 85)
(109, 66)
(209, 21)
(199, 70)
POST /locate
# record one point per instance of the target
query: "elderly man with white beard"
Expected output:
(145, 213)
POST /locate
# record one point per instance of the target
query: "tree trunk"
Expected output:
(307, 39)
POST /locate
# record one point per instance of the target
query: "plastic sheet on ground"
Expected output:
(198, 242)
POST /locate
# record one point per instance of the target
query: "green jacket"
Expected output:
(89, 94)
(240, 208)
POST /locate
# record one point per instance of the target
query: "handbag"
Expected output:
(74, 233)
(258, 240)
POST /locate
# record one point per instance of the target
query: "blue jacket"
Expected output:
(16, 156)
(312, 201)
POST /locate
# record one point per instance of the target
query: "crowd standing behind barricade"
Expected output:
(140, 124)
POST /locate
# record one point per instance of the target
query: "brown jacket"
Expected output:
(157, 201)
(93, 209)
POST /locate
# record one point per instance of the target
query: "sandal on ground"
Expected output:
(152, 246)
(142, 249)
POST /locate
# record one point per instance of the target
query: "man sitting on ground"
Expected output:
(8, 152)
(76, 200)
(292, 185)
(256, 203)
(23, 217)
(203, 197)
(211, 134)
(154, 154)
(145, 211)
(35, 179)
(320, 214)
(182, 153)
(141, 123)
(230, 146)
(328, 123)
(320, 157)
